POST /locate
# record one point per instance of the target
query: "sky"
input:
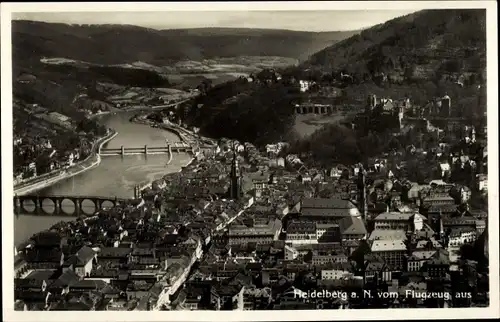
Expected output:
(292, 20)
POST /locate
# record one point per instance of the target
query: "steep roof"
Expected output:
(352, 226)
(82, 257)
(326, 203)
(301, 227)
(388, 245)
(114, 252)
(67, 278)
(423, 254)
(387, 234)
(403, 216)
(85, 254)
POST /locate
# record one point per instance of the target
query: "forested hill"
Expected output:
(417, 45)
(116, 44)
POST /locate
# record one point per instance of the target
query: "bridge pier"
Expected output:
(97, 204)
(123, 150)
(17, 205)
(37, 201)
(57, 206)
(78, 206)
(38, 205)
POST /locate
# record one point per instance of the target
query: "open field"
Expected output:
(190, 73)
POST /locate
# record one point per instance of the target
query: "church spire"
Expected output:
(235, 176)
(362, 192)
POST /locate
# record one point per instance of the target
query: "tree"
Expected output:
(87, 125)
(409, 72)
(42, 164)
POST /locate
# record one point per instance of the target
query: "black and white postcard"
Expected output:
(235, 161)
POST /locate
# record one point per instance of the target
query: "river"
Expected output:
(115, 176)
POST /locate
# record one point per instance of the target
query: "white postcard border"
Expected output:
(407, 314)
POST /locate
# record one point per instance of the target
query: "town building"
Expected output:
(259, 233)
(406, 221)
(330, 209)
(352, 228)
(327, 233)
(418, 258)
(391, 251)
(301, 232)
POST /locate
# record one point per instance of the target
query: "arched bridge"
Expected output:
(179, 147)
(315, 109)
(170, 148)
(53, 205)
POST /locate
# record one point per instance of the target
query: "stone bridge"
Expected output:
(22, 204)
(167, 149)
(315, 109)
(176, 147)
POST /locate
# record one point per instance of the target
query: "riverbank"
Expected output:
(138, 108)
(185, 135)
(93, 160)
(179, 131)
(167, 127)
(141, 119)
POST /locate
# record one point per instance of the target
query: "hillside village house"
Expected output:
(274, 149)
(482, 182)
(70, 157)
(461, 236)
(82, 262)
(293, 160)
(18, 141)
(305, 85)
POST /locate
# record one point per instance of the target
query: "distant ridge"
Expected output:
(116, 44)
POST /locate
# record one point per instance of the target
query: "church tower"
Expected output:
(362, 193)
(235, 178)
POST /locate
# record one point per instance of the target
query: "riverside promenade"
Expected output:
(51, 178)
